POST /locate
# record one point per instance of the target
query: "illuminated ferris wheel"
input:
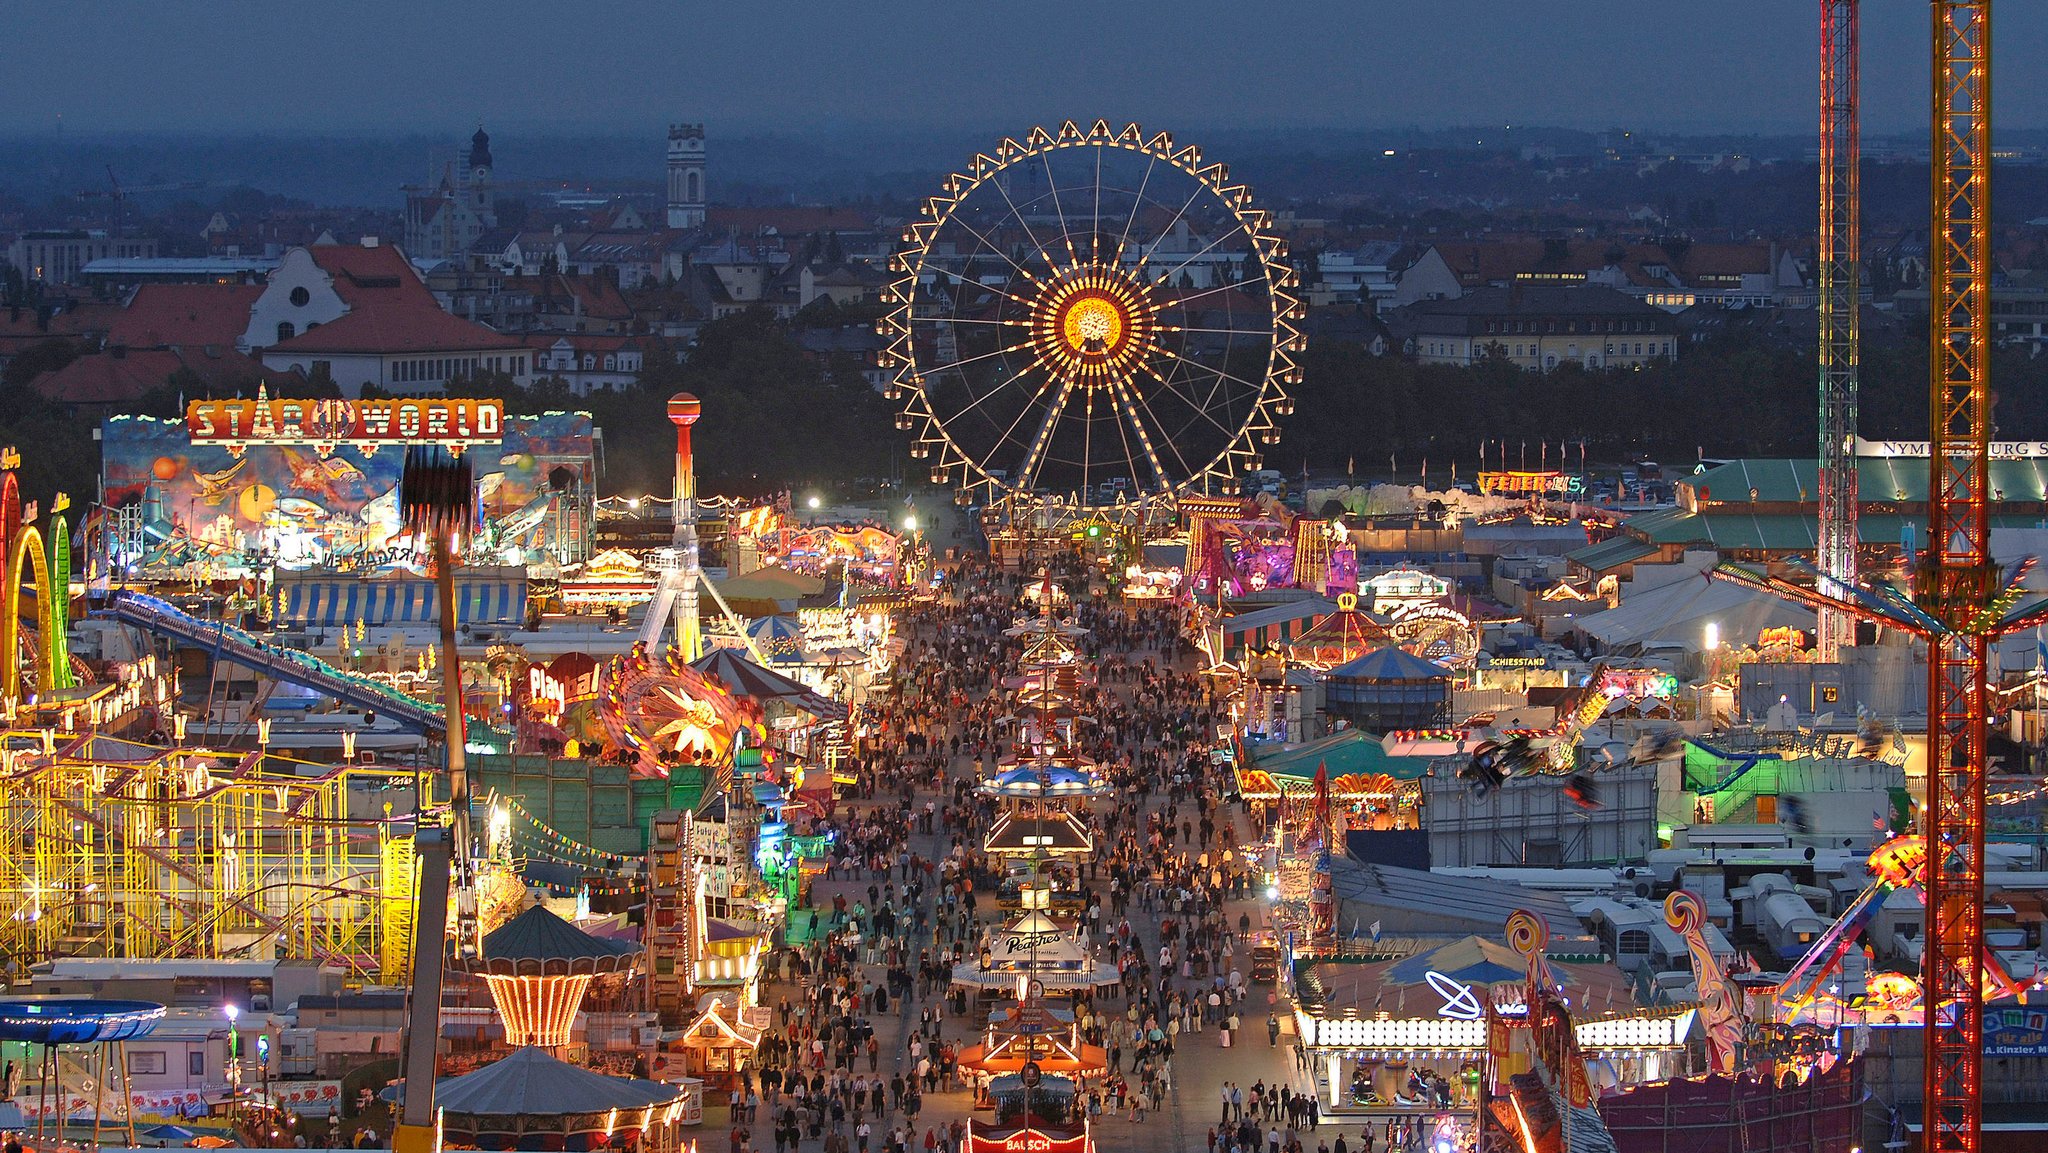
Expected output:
(1093, 315)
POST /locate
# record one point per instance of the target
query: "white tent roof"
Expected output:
(1678, 613)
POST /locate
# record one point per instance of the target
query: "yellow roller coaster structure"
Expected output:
(115, 849)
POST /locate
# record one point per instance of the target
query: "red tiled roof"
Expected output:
(390, 309)
(581, 341)
(107, 378)
(188, 315)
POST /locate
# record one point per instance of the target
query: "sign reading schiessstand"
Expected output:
(453, 423)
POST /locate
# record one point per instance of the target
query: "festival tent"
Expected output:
(1677, 614)
(779, 638)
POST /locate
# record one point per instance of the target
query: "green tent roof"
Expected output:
(1348, 752)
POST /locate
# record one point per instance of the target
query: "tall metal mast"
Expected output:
(1959, 601)
(1840, 291)
(1957, 582)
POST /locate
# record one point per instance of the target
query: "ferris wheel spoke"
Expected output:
(1059, 210)
(1198, 366)
(962, 277)
(1128, 403)
(1008, 348)
(1221, 237)
(1137, 205)
(1260, 332)
(1095, 221)
(999, 387)
(1009, 433)
(1210, 291)
(980, 320)
(1183, 211)
(1199, 408)
(1034, 455)
(1017, 214)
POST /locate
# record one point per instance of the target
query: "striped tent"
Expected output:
(778, 638)
(766, 686)
(377, 602)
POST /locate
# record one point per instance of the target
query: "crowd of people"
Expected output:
(910, 894)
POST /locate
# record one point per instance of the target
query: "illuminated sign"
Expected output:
(545, 692)
(1549, 481)
(2000, 449)
(454, 423)
(1636, 684)
(1023, 941)
(1460, 1002)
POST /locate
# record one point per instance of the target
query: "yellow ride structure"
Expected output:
(116, 849)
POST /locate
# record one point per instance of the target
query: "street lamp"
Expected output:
(910, 523)
(813, 503)
(234, 1012)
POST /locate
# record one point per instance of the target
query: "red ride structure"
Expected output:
(1958, 582)
(1958, 600)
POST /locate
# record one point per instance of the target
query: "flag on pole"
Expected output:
(1375, 927)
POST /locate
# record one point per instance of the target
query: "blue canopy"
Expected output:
(1389, 664)
(77, 1022)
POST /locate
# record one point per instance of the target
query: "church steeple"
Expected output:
(480, 150)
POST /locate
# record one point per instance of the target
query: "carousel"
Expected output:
(535, 1100)
(1027, 1033)
(538, 967)
(1035, 1112)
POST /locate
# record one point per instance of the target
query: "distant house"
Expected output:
(362, 315)
(1383, 271)
(587, 363)
(1673, 275)
(1538, 327)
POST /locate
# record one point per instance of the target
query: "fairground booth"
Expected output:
(1379, 1028)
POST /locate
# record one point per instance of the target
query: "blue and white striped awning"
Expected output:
(333, 603)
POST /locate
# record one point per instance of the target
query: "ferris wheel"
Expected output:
(1094, 315)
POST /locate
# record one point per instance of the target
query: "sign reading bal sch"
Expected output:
(453, 423)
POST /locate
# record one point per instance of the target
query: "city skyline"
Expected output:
(1659, 65)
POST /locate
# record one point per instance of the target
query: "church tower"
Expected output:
(482, 200)
(685, 175)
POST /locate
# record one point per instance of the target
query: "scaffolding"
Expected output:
(111, 848)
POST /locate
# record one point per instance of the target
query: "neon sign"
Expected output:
(454, 423)
(1531, 481)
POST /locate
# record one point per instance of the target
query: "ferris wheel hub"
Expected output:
(1092, 324)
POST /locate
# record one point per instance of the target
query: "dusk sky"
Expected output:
(381, 66)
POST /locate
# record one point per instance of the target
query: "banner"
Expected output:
(306, 1096)
(2015, 1031)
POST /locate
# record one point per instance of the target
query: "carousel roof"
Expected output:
(1341, 636)
(1054, 781)
(764, 685)
(1472, 960)
(532, 1082)
(540, 940)
(1390, 664)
